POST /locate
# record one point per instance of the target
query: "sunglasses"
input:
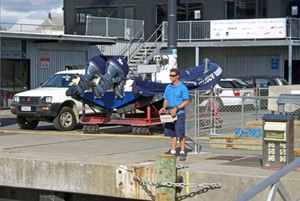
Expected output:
(173, 75)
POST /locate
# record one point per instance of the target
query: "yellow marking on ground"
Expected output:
(81, 134)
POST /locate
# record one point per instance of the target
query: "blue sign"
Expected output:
(274, 63)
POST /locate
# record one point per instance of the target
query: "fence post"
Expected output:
(165, 172)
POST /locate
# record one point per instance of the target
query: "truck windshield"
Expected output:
(59, 80)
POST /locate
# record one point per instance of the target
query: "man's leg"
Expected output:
(182, 144)
(182, 156)
(173, 143)
(170, 131)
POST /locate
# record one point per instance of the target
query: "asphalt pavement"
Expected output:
(116, 146)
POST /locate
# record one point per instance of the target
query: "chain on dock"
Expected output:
(204, 187)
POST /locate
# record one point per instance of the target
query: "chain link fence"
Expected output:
(234, 125)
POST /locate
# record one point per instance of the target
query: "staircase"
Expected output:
(144, 55)
(139, 52)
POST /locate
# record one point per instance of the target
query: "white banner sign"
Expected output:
(245, 29)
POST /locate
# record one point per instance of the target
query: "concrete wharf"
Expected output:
(105, 164)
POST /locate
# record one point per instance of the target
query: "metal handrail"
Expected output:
(148, 48)
(23, 27)
(131, 42)
(271, 181)
(199, 30)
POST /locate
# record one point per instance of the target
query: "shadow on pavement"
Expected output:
(7, 121)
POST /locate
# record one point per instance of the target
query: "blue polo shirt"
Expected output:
(176, 95)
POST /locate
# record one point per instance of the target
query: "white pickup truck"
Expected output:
(49, 103)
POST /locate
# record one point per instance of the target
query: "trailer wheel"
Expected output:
(25, 124)
(94, 129)
(141, 130)
(84, 129)
(65, 120)
(145, 130)
(134, 130)
(87, 129)
(91, 129)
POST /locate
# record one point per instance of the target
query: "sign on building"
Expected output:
(11, 49)
(45, 61)
(248, 29)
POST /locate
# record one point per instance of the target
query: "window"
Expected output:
(80, 16)
(161, 13)
(192, 8)
(185, 12)
(129, 13)
(82, 13)
(59, 80)
(111, 12)
(245, 9)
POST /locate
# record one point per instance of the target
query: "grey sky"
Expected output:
(14, 10)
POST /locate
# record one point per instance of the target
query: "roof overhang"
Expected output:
(50, 38)
(238, 43)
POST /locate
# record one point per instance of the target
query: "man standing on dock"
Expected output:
(176, 98)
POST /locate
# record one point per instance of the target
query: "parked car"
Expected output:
(233, 92)
(49, 103)
(261, 84)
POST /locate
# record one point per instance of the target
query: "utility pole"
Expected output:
(172, 30)
(172, 24)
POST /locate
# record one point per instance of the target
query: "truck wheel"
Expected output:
(65, 120)
(25, 124)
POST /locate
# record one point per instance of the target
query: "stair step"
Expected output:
(145, 53)
(148, 52)
(140, 55)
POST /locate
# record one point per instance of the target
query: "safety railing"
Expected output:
(274, 182)
(189, 31)
(32, 28)
(125, 29)
(154, 44)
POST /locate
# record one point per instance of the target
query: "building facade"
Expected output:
(154, 12)
(237, 57)
(28, 59)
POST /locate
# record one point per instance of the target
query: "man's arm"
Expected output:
(163, 109)
(183, 104)
(174, 110)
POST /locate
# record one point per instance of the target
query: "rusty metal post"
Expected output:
(165, 172)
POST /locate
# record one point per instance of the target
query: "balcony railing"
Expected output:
(191, 31)
(187, 31)
(32, 28)
(125, 29)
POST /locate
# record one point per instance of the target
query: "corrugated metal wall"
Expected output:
(235, 61)
(60, 55)
(113, 49)
(238, 61)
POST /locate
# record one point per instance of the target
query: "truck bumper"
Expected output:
(36, 111)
